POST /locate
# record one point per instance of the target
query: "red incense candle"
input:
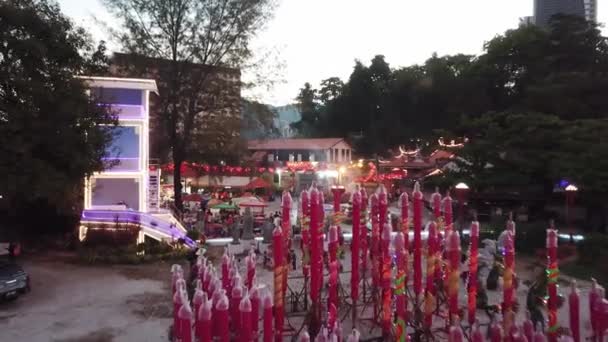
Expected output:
(473, 265)
(354, 280)
(279, 273)
(453, 249)
(417, 195)
(574, 308)
(552, 274)
(267, 303)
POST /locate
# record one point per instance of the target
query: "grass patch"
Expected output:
(584, 272)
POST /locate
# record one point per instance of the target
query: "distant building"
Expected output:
(328, 150)
(545, 9)
(286, 115)
(591, 10)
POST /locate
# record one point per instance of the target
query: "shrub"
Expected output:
(592, 250)
(193, 234)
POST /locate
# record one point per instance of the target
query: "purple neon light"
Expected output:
(134, 217)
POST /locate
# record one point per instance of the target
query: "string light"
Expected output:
(452, 143)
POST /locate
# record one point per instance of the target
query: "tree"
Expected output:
(52, 135)
(194, 38)
(309, 111)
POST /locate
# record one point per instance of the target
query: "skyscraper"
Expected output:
(591, 10)
(545, 9)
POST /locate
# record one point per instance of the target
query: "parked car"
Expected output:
(13, 280)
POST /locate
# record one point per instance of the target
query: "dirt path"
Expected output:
(71, 302)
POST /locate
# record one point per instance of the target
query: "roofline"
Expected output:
(121, 82)
(127, 55)
(260, 141)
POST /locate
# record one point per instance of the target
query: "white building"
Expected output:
(127, 191)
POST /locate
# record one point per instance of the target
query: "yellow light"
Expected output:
(342, 169)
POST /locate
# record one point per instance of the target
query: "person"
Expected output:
(277, 221)
(265, 260)
(292, 256)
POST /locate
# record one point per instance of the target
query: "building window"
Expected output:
(291, 157)
(270, 157)
(299, 157)
(311, 157)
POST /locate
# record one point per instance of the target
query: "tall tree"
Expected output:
(188, 34)
(52, 134)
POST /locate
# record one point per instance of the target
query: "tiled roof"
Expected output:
(294, 144)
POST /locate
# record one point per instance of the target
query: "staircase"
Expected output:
(155, 227)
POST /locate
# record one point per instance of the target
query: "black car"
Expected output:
(13, 280)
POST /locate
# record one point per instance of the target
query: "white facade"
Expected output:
(124, 183)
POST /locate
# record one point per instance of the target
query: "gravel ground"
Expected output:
(70, 302)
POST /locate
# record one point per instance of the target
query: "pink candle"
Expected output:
(473, 264)
(221, 319)
(332, 316)
(417, 241)
(279, 273)
(363, 231)
(246, 324)
(207, 281)
(574, 307)
(304, 337)
(453, 249)
(436, 199)
(225, 271)
(286, 228)
(448, 217)
(204, 322)
(235, 300)
(456, 334)
(430, 292)
(495, 332)
(400, 285)
(315, 246)
(539, 336)
(528, 327)
(508, 286)
(254, 297)
(354, 280)
(267, 303)
(178, 301)
(375, 247)
(386, 279)
(333, 285)
(250, 271)
(215, 298)
(333, 243)
(354, 336)
(305, 223)
(197, 301)
(405, 212)
(553, 274)
(477, 334)
(185, 322)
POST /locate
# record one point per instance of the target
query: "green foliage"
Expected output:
(130, 254)
(191, 39)
(51, 133)
(193, 234)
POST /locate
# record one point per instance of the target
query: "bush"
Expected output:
(592, 250)
(130, 254)
(193, 234)
(531, 236)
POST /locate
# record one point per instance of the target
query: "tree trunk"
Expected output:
(177, 182)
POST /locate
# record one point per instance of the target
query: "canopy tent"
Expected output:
(257, 183)
(252, 202)
(213, 202)
(225, 206)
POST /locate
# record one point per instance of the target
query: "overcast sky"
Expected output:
(318, 39)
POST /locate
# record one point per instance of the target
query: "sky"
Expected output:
(311, 40)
